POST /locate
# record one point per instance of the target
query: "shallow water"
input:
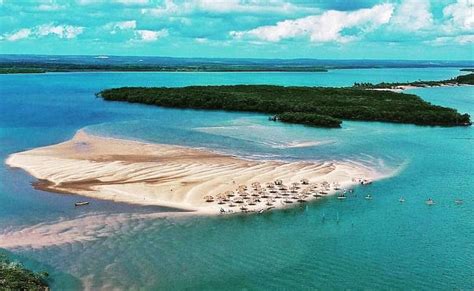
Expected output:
(377, 244)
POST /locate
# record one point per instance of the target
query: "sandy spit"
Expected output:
(165, 175)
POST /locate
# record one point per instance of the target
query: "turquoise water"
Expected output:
(378, 244)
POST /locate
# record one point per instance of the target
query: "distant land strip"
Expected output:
(314, 106)
(23, 67)
(20, 68)
(459, 80)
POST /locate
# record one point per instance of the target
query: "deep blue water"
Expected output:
(378, 244)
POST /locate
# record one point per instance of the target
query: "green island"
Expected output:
(315, 106)
(14, 70)
(459, 80)
(14, 276)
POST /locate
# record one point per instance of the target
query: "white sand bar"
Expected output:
(167, 175)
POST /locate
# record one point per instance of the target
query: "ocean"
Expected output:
(328, 244)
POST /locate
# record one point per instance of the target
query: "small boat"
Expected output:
(458, 201)
(341, 196)
(366, 182)
(368, 197)
(81, 203)
(430, 202)
(401, 200)
(261, 211)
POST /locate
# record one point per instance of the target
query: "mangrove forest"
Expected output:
(315, 106)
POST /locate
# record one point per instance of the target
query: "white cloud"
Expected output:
(50, 7)
(255, 6)
(132, 2)
(201, 40)
(460, 14)
(20, 34)
(151, 35)
(170, 7)
(62, 31)
(413, 15)
(326, 27)
(132, 24)
(122, 25)
(449, 40)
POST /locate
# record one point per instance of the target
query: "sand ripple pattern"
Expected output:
(165, 175)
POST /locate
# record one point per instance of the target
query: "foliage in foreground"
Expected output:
(14, 276)
(318, 106)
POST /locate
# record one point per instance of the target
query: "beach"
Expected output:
(174, 176)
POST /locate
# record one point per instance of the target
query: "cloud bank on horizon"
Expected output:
(402, 29)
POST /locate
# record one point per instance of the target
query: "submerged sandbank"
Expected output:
(168, 175)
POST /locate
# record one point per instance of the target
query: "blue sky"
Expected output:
(326, 29)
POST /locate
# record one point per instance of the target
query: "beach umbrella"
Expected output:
(209, 198)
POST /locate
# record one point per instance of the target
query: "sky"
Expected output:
(323, 29)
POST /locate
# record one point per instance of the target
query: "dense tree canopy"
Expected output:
(318, 106)
(14, 276)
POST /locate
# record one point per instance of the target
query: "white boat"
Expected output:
(458, 201)
(342, 196)
(430, 202)
(368, 197)
(81, 203)
(401, 200)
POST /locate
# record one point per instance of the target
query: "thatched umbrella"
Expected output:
(278, 182)
(270, 185)
(295, 185)
(209, 198)
(221, 196)
(252, 202)
(301, 198)
(243, 187)
(239, 200)
(230, 193)
(305, 181)
(256, 185)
